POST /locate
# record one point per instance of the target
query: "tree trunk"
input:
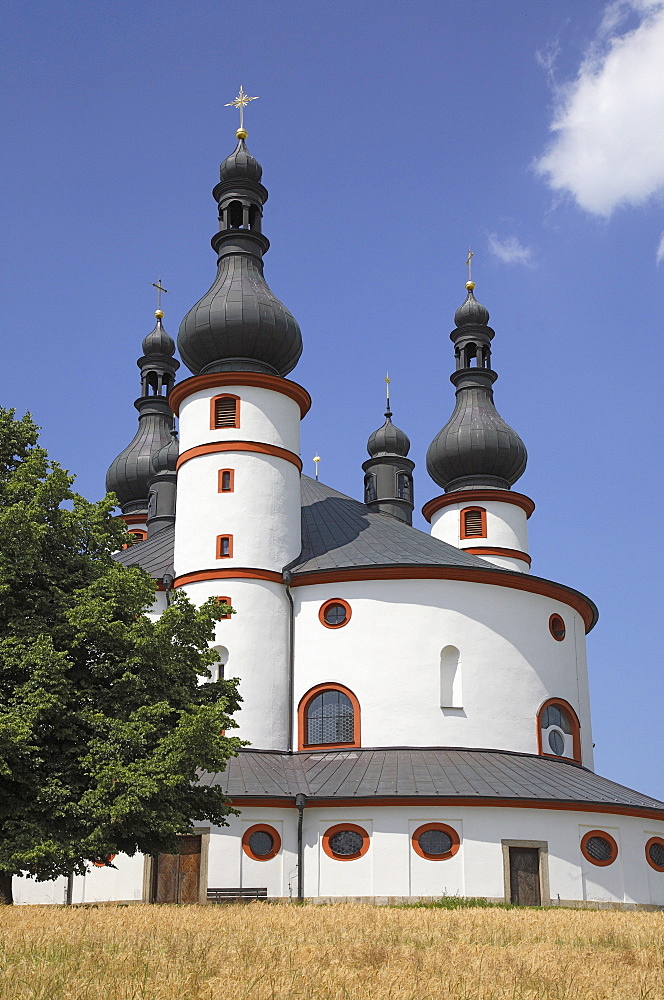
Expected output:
(6, 897)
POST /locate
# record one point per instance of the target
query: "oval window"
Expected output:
(346, 841)
(655, 853)
(557, 742)
(261, 842)
(435, 841)
(557, 628)
(599, 848)
(335, 613)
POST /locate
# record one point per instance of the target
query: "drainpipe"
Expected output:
(287, 577)
(300, 802)
(167, 582)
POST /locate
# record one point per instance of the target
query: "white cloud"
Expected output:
(608, 146)
(510, 250)
(660, 250)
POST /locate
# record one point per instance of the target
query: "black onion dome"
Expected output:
(471, 312)
(165, 460)
(388, 440)
(158, 342)
(129, 474)
(240, 164)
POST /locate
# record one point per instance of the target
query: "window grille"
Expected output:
(330, 719)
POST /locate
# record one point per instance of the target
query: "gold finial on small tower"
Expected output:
(316, 461)
(158, 285)
(470, 284)
(387, 391)
(240, 103)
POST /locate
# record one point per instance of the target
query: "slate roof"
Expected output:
(154, 555)
(419, 772)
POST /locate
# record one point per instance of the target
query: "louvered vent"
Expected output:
(225, 412)
(472, 524)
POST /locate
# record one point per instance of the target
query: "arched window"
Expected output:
(473, 522)
(224, 411)
(218, 669)
(404, 486)
(450, 678)
(235, 215)
(370, 488)
(558, 730)
(328, 716)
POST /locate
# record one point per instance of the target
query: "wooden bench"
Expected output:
(235, 895)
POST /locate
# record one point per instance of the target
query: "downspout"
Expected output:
(300, 802)
(287, 577)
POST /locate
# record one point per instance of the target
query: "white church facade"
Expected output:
(416, 704)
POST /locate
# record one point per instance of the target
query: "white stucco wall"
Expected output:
(506, 527)
(265, 415)
(389, 656)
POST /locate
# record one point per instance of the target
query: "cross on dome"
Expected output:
(240, 103)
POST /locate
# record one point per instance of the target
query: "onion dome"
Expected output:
(165, 460)
(130, 473)
(476, 448)
(388, 439)
(163, 487)
(239, 324)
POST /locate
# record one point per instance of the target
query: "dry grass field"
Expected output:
(341, 952)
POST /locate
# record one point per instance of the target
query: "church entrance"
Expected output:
(525, 876)
(176, 877)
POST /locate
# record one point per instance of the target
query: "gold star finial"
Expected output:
(470, 284)
(158, 285)
(240, 103)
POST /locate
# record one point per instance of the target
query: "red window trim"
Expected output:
(338, 828)
(654, 840)
(302, 718)
(552, 619)
(451, 833)
(606, 836)
(220, 478)
(220, 539)
(107, 861)
(576, 730)
(462, 525)
(224, 600)
(261, 828)
(213, 406)
(326, 604)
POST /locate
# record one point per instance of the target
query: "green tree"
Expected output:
(106, 716)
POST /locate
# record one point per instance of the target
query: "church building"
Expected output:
(416, 703)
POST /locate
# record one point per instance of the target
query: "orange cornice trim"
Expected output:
(442, 801)
(496, 577)
(133, 518)
(227, 574)
(495, 550)
(478, 496)
(255, 379)
(255, 446)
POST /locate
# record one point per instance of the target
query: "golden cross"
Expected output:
(240, 103)
(160, 289)
(469, 265)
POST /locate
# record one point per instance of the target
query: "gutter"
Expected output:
(287, 577)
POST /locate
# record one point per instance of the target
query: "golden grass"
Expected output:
(340, 952)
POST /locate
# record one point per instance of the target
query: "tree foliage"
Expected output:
(106, 715)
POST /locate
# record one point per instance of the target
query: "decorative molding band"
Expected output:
(254, 379)
(133, 518)
(488, 550)
(496, 577)
(467, 497)
(255, 446)
(227, 574)
(449, 802)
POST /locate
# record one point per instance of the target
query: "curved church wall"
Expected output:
(266, 415)
(389, 655)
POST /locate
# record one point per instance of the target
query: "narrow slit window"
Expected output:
(473, 523)
(225, 412)
(226, 481)
(404, 486)
(224, 546)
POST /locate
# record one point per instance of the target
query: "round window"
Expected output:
(435, 841)
(107, 861)
(599, 848)
(346, 841)
(655, 853)
(557, 742)
(335, 613)
(557, 627)
(261, 842)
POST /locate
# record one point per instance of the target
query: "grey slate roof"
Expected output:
(338, 532)
(154, 555)
(419, 772)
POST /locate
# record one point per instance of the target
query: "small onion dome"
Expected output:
(471, 312)
(240, 164)
(388, 440)
(476, 447)
(239, 324)
(158, 342)
(129, 474)
(165, 460)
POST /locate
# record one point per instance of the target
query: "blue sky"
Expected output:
(392, 135)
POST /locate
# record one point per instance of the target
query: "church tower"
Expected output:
(477, 457)
(388, 473)
(129, 474)
(238, 513)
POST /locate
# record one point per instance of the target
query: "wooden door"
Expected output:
(177, 876)
(525, 876)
